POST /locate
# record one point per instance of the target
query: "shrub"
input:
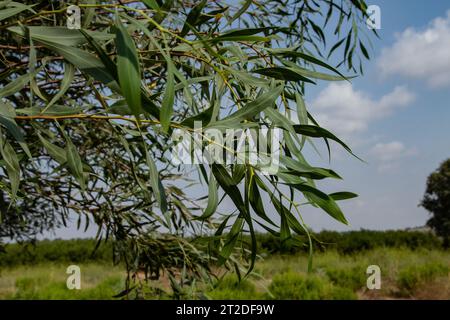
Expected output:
(42, 289)
(411, 277)
(296, 286)
(56, 251)
(353, 277)
(230, 288)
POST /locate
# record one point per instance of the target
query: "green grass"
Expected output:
(405, 273)
(48, 282)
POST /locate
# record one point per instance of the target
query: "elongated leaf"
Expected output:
(17, 84)
(322, 200)
(241, 11)
(316, 61)
(256, 202)
(169, 98)
(86, 62)
(155, 181)
(7, 114)
(213, 199)
(305, 168)
(252, 108)
(69, 71)
(319, 132)
(302, 114)
(12, 11)
(128, 68)
(344, 195)
(104, 57)
(243, 32)
(74, 163)
(12, 165)
(314, 74)
(227, 184)
(191, 19)
(152, 4)
(54, 110)
(232, 238)
(57, 153)
(61, 35)
(282, 73)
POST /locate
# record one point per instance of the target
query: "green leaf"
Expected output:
(243, 32)
(61, 35)
(204, 117)
(322, 200)
(232, 238)
(307, 57)
(57, 153)
(69, 72)
(17, 84)
(247, 34)
(54, 110)
(152, 4)
(319, 132)
(344, 195)
(241, 11)
(12, 165)
(74, 162)
(162, 14)
(256, 201)
(364, 50)
(314, 74)
(336, 45)
(12, 11)
(282, 73)
(155, 181)
(191, 19)
(103, 55)
(251, 109)
(7, 114)
(302, 114)
(213, 199)
(169, 98)
(227, 184)
(86, 62)
(305, 168)
(128, 68)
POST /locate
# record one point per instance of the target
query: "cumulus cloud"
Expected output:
(389, 155)
(346, 111)
(420, 54)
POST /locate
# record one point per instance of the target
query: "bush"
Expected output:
(42, 289)
(230, 288)
(353, 277)
(351, 242)
(56, 251)
(410, 278)
(81, 250)
(296, 286)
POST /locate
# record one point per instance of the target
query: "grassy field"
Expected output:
(405, 274)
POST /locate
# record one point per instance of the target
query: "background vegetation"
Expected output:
(414, 265)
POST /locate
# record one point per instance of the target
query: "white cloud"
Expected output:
(347, 111)
(421, 54)
(389, 155)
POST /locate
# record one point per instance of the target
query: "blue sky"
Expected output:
(396, 117)
(403, 134)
